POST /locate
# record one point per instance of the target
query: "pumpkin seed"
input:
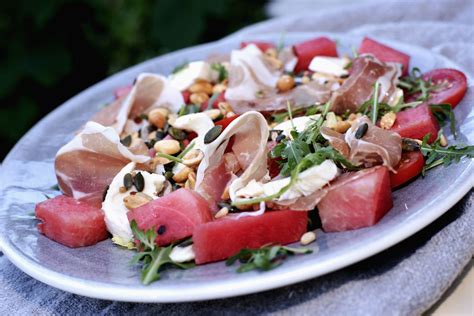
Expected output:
(177, 133)
(410, 144)
(212, 134)
(280, 137)
(169, 175)
(361, 131)
(126, 141)
(139, 182)
(128, 181)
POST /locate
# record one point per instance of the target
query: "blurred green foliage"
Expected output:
(53, 49)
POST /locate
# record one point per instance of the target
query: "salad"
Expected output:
(234, 157)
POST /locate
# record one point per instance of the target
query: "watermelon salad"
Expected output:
(229, 157)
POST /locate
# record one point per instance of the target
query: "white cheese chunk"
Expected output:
(193, 71)
(300, 124)
(200, 123)
(114, 207)
(182, 254)
(330, 65)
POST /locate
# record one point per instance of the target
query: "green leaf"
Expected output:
(221, 70)
(444, 112)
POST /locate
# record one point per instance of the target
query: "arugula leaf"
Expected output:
(444, 112)
(180, 67)
(223, 74)
(264, 258)
(152, 257)
(437, 155)
(375, 104)
(414, 83)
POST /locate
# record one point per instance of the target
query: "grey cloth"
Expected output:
(406, 279)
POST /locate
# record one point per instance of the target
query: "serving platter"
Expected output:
(103, 270)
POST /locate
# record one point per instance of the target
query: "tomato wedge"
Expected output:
(453, 86)
(409, 167)
(263, 46)
(321, 46)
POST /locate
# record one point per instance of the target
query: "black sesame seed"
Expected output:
(361, 131)
(161, 230)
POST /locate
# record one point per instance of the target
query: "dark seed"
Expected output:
(144, 116)
(361, 131)
(128, 181)
(185, 243)
(151, 128)
(410, 145)
(139, 182)
(126, 141)
(161, 230)
(177, 133)
(169, 175)
(212, 134)
(104, 194)
(280, 138)
(160, 135)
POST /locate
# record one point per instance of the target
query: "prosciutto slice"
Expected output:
(149, 91)
(301, 96)
(88, 163)
(377, 146)
(249, 134)
(358, 88)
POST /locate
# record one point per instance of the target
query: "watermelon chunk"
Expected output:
(321, 46)
(70, 222)
(174, 216)
(385, 53)
(356, 200)
(263, 46)
(416, 123)
(220, 239)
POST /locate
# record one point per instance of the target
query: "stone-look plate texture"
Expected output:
(103, 271)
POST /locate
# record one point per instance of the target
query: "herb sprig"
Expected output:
(444, 112)
(414, 83)
(437, 155)
(223, 74)
(265, 258)
(152, 257)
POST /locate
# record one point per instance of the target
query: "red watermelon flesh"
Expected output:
(356, 200)
(416, 123)
(384, 53)
(71, 222)
(178, 212)
(220, 239)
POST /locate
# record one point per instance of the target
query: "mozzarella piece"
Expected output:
(308, 182)
(114, 208)
(251, 72)
(300, 124)
(193, 71)
(330, 65)
(182, 254)
(200, 123)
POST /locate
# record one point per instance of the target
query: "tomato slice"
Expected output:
(453, 86)
(321, 46)
(186, 94)
(263, 46)
(384, 53)
(409, 167)
(226, 121)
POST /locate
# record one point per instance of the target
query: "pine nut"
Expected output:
(342, 126)
(213, 113)
(443, 141)
(285, 83)
(198, 98)
(136, 200)
(201, 87)
(182, 175)
(167, 146)
(219, 88)
(308, 238)
(157, 117)
(388, 120)
(222, 212)
(193, 158)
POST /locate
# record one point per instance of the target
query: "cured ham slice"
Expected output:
(376, 146)
(249, 134)
(358, 88)
(301, 96)
(88, 163)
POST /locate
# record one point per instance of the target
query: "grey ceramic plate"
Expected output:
(103, 271)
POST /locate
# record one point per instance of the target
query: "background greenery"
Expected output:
(53, 49)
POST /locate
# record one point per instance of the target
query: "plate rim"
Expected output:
(127, 293)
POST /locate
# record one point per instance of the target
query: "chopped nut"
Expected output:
(443, 141)
(182, 175)
(225, 195)
(198, 98)
(122, 189)
(213, 113)
(222, 212)
(224, 107)
(136, 200)
(219, 88)
(191, 182)
(305, 80)
(167, 146)
(201, 87)
(331, 120)
(193, 158)
(157, 117)
(230, 114)
(388, 120)
(285, 83)
(342, 126)
(353, 117)
(308, 238)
